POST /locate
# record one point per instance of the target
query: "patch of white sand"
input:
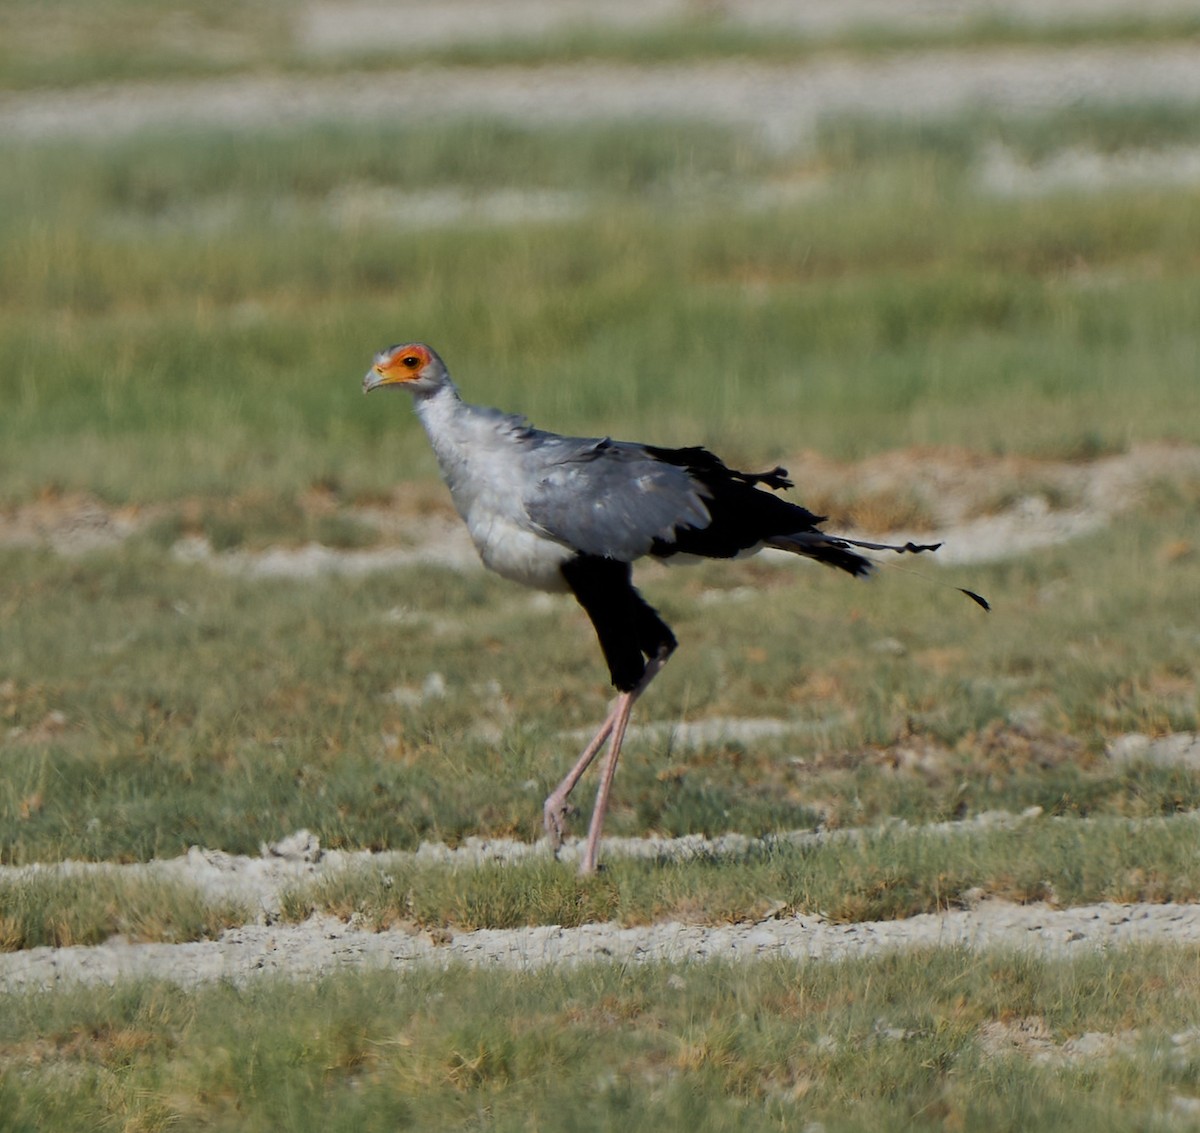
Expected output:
(324, 944)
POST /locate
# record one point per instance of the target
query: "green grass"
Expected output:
(891, 1042)
(959, 138)
(880, 875)
(63, 43)
(183, 322)
(712, 39)
(208, 369)
(195, 707)
(66, 910)
(149, 351)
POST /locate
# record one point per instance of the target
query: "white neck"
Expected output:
(443, 414)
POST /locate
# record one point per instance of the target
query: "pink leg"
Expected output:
(608, 771)
(555, 810)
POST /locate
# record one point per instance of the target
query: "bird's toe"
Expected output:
(555, 814)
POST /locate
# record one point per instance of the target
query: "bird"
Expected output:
(572, 514)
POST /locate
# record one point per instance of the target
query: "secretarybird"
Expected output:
(574, 513)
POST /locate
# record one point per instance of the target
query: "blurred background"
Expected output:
(776, 225)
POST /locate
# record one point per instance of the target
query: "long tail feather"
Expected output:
(978, 599)
(825, 549)
(834, 550)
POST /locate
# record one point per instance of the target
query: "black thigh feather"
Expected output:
(629, 628)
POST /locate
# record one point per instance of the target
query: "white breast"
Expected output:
(513, 551)
(485, 467)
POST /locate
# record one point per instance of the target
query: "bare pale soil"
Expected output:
(783, 103)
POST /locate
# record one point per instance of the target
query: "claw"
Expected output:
(555, 814)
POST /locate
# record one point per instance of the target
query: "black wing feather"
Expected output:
(745, 517)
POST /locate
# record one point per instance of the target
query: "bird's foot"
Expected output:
(588, 864)
(555, 814)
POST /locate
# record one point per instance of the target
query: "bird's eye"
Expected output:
(411, 361)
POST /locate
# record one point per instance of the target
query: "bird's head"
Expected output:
(413, 366)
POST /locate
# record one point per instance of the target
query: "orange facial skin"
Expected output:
(396, 365)
(403, 363)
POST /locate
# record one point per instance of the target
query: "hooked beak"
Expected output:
(375, 378)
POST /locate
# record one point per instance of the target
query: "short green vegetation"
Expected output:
(191, 314)
(933, 1040)
(72, 908)
(150, 705)
(879, 875)
(72, 43)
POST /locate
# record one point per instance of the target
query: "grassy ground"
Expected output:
(64, 911)
(880, 876)
(944, 1039)
(189, 315)
(154, 705)
(183, 323)
(214, 372)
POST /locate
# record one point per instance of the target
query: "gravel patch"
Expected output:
(331, 29)
(1006, 174)
(1180, 749)
(354, 206)
(1030, 526)
(685, 735)
(452, 549)
(1031, 1037)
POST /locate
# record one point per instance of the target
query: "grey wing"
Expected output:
(608, 498)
